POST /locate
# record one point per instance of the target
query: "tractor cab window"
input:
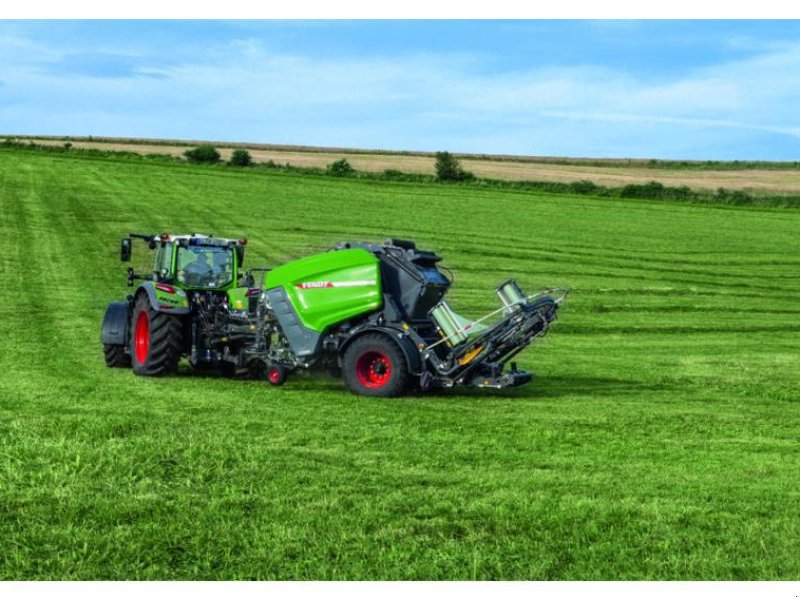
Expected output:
(163, 264)
(205, 266)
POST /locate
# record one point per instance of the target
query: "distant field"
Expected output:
(616, 173)
(658, 441)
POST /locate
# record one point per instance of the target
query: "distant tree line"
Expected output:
(208, 154)
(448, 170)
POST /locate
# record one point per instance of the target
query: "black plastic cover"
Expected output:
(409, 275)
(115, 324)
(412, 279)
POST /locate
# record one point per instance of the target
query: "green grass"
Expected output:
(659, 440)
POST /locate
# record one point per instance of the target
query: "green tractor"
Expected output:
(161, 321)
(373, 313)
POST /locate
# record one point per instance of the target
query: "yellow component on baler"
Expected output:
(469, 356)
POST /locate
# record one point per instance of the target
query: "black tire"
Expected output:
(160, 354)
(228, 369)
(374, 365)
(256, 369)
(276, 375)
(203, 366)
(116, 356)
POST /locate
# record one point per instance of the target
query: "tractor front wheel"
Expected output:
(374, 365)
(156, 340)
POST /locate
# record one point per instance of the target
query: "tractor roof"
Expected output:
(189, 239)
(199, 239)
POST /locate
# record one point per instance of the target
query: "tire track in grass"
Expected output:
(28, 291)
(62, 274)
(628, 264)
(742, 290)
(16, 300)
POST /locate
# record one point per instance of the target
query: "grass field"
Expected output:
(770, 178)
(659, 440)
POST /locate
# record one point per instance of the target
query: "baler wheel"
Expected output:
(276, 375)
(374, 365)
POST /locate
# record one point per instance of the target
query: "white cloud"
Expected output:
(427, 101)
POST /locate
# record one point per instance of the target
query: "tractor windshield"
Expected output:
(205, 266)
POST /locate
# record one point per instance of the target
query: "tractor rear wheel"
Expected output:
(116, 356)
(156, 340)
(374, 365)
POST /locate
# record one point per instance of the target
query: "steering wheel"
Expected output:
(192, 277)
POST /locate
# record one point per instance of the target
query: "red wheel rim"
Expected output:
(274, 376)
(141, 337)
(374, 369)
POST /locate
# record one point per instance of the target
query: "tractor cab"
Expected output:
(203, 266)
(192, 262)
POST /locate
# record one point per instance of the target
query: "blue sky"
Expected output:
(661, 89)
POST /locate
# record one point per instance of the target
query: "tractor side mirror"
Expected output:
(239, 256)
(125, 250)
